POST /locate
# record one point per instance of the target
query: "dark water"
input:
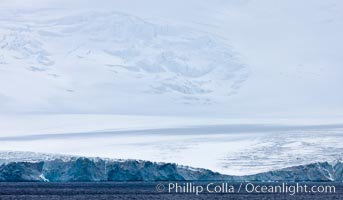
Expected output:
(144, 191)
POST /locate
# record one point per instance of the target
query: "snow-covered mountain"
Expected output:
(110, 62)
(237, 58)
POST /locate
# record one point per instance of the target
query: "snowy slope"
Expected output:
(237, 58)
(110, 62)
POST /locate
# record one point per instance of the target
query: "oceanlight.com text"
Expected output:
(244, 187)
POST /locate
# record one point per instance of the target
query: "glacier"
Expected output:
(227, 146)
(58, 168)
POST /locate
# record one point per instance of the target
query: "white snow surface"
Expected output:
(110, 62)
(230, 58)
